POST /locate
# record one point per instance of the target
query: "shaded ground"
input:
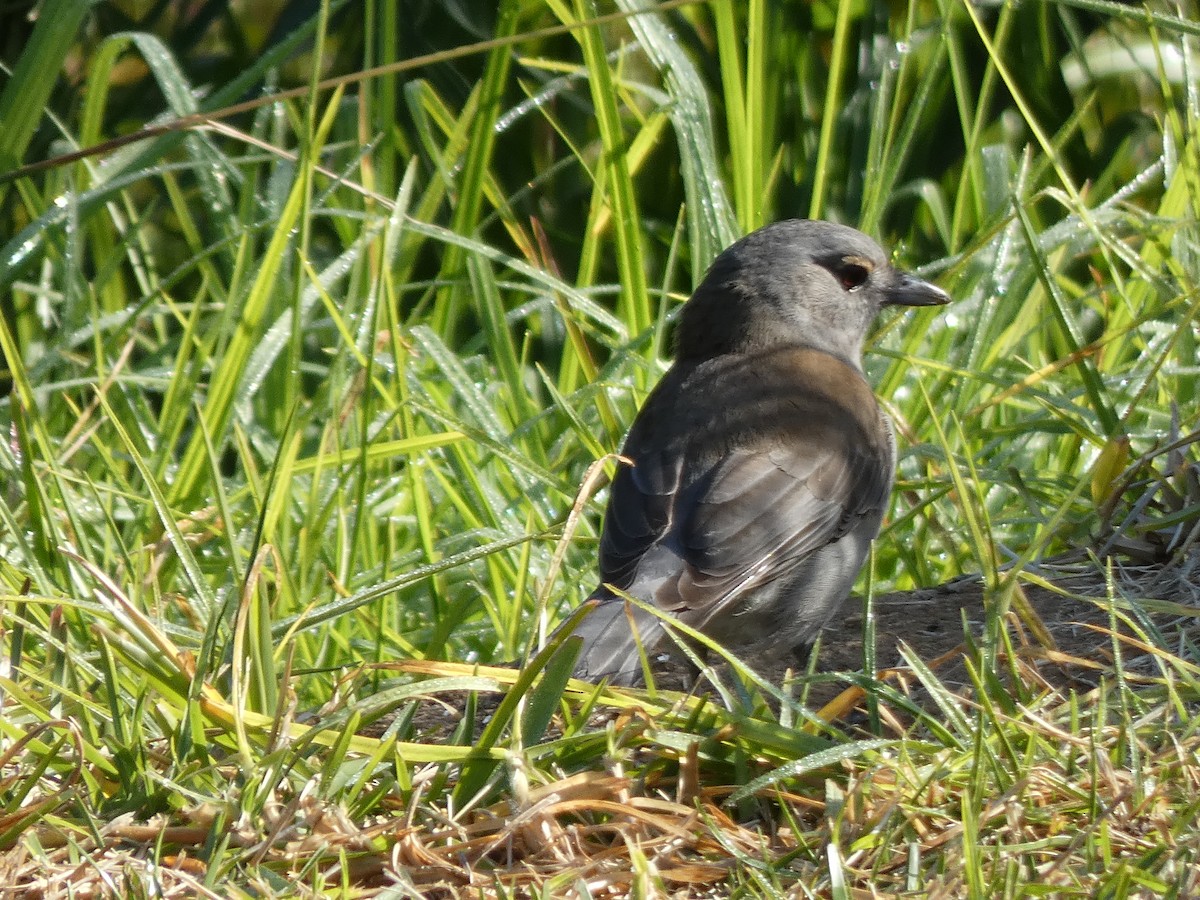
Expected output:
(1065, 634)
(1060, 623)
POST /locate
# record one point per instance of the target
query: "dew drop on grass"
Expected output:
(21, 252)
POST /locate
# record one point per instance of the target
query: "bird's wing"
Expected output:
(760, 512)
(694, 537)
(640, 513)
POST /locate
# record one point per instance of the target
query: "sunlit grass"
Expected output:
(303, 392)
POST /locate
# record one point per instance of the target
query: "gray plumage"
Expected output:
(761, 463)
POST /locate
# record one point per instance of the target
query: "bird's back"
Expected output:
(743, 466)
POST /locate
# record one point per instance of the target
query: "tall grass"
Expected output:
(314, 385)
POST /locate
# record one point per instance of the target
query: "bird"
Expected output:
(758, 470)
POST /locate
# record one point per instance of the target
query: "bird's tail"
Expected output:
(611, 633)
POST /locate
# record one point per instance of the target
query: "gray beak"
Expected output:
(907, 290)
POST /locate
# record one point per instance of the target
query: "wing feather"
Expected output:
(716, 502)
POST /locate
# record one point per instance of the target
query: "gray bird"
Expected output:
(761, 464)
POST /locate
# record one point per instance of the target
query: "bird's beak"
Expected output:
(907, 290)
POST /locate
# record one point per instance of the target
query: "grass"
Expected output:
(311, 389)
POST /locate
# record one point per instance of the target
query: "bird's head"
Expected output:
(802, 282)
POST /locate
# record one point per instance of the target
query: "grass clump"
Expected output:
(317, 341)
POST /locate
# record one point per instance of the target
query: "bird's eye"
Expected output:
(852, 275)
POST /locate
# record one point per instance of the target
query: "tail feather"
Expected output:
(610, 645)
